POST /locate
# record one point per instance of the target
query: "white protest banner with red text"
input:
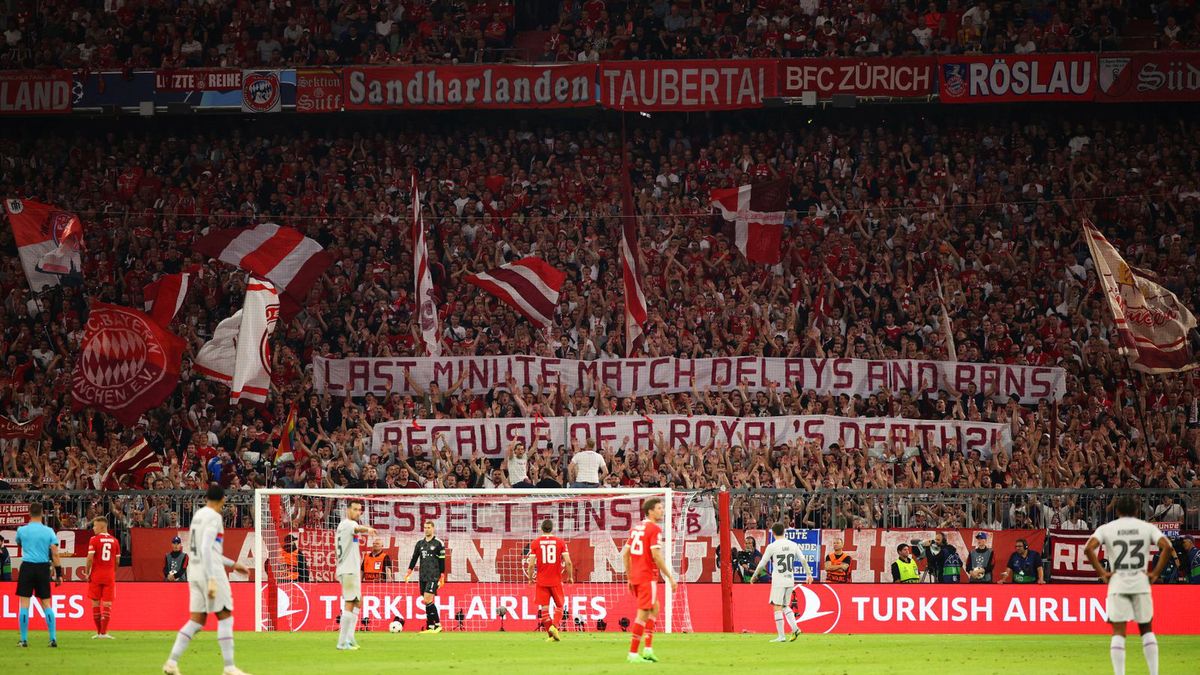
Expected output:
(40, 92)
(978, 609)
(903, 77)
(1017, 78)
(668, 375)
(454, 87)
(687, 85)
(489, 437)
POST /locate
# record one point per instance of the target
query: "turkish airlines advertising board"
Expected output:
(820, 608)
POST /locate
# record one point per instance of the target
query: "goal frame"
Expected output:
(261, 495)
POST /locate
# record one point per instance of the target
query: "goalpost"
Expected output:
(486, 534)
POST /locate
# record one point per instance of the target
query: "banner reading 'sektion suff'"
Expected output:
(687, 85)
(490, 437)
(901, 77)
(1017, 78)
(668, 375)
(453, 87)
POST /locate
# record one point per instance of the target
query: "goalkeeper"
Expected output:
(430, 556)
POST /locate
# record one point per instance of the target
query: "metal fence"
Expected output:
(950, 508)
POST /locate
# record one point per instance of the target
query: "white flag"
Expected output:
(240, 352)
(426, 295)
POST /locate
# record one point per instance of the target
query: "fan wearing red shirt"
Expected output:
(101, 573)
(548, 558)
(643, 557)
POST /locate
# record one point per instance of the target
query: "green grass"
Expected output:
(519, 653)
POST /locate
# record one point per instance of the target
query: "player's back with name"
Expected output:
(783, 554)
(206, 546)
(1127, 543)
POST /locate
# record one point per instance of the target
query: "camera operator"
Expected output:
(935, 551)
(904, 570)
(981, 561)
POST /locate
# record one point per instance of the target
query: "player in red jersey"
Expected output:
(548, 559)
(101, 573)
(643, 556)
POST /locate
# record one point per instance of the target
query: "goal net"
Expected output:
(487, 535)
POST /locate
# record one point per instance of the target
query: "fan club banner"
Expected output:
(490, 437)
(1149, 76)
(668, 375)
(35, 92)
(318, 90)
(844, 609)
(198, 79)
(906, 77)
(687, 85)
(26, 430)
(452, 87)
(1017, 78)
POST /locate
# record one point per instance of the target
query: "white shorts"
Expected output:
(1136, 607)
(351, 587)
(781, 594)
(200, 603)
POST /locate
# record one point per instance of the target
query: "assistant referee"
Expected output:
(39, 548)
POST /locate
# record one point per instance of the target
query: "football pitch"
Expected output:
(500, 653)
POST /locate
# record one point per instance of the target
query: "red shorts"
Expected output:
(545, 594)
(103, 590)
(646, 594)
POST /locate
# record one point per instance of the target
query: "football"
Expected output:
(396, 626)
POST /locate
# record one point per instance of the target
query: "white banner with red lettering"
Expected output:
(489, 437)
(667, 375)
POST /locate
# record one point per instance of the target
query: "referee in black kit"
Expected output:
(430, 555)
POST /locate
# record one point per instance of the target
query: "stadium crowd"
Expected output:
(119, 34)
(991, 206)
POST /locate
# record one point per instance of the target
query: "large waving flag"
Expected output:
(529, 285)
(281, 255)
(128, 363)
(1154, 329)
(239, 354)
(286, 451)
(631, 264)
(48, 241)
(426, 294)
(164, 296)
(137, 462)
(756, 212)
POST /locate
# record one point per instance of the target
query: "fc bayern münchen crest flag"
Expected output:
(48, 241)
(128, 363)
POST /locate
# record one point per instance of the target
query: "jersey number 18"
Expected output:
(550, 552)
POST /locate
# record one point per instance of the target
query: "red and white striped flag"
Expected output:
(137, 462)
(631, 267)
(48, 241)
(239, 354)
(164, 296)
(426, 294)
(529, 285)
(756, 212)
(281, 255)
(1155, 330)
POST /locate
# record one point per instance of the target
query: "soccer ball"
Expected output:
(396, 627)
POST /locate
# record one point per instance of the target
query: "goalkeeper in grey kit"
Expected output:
(430, 556)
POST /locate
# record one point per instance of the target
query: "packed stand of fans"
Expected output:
(133, 34)
(876, 209)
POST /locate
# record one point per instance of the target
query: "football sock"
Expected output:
(636, 634)
(344, 625)
(105, 615)
(185, 636)
(779, 622)
(431, 615)
(353, 626)
(98, 620)
(790, 617)
(23, 620)
(1116, 650)
(225, 639)
(1150, 651)
(649, 634)
(51, 623)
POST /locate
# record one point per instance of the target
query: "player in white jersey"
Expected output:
(208, 585)
(349, 572)
(1127, 541)
(783, 554)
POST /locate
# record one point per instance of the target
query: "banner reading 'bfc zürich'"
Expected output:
(668, 375)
